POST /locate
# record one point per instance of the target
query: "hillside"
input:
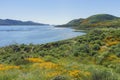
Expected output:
(99, 20)
(94, 56)
(18, 22)
(73, 23)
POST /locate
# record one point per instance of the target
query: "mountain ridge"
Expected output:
(18, 22)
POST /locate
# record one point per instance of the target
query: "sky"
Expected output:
(56, 11)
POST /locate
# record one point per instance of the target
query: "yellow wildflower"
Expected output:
(52, 74)
(36, 60)
(48, 65)
(75, 73)
(6, 67)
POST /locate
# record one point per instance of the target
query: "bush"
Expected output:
(103, 75)
(59, 78)
(96, 47)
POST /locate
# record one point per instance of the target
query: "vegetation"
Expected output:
(94, 56)
(99, 20)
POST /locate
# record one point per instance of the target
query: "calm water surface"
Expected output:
(34, 34)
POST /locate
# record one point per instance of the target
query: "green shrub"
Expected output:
(103, 75)
(59, 78)
(96, 47)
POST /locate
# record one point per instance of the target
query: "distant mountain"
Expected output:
(99, 20)
(18, 22)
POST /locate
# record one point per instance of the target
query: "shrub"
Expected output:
(59, 78)
(96, 47)
(103, 75)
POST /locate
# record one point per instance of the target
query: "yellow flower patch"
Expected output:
(53, 74)
(5, 67)
(79, 74)
(36, 60)
(112, 57)
(75, 73)
(110, 43)
(48, 65)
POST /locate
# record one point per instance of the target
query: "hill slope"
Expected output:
(93, 56)
(99, 20)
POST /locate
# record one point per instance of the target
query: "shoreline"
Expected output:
(39, 43)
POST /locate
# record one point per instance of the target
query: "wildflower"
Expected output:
(48, 65)
(53, 74)
(6, 67)
(75, 73)
(36, 60)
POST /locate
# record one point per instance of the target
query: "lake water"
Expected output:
(34, 34)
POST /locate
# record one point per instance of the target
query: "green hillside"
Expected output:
(72, 23)
(94, 56)
(99, 20)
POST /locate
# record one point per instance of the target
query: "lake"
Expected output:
(34, 34)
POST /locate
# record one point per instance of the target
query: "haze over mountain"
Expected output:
(18, 22)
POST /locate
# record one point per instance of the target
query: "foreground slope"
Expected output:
(94, 56)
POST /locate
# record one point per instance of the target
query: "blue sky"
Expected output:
(56, 11)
